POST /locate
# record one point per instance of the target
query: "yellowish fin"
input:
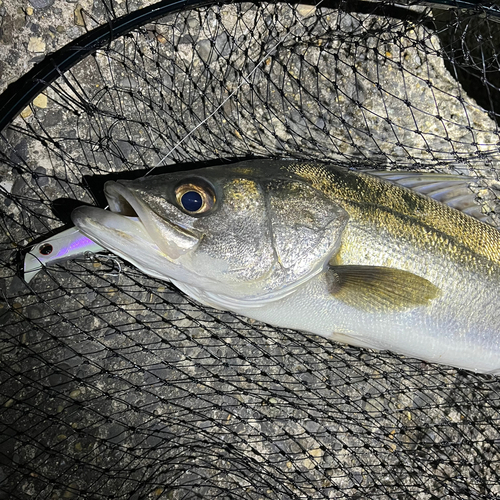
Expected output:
(378, 289)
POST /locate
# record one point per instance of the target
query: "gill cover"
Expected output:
(258, 234)
(306, 225)
(295, 231)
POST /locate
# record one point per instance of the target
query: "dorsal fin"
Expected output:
(452, 190)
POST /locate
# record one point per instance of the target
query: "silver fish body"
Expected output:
(317, 248)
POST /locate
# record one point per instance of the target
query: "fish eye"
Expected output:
(195, 196)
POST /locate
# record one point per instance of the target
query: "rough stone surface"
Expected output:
(20, 21)
(41, 4)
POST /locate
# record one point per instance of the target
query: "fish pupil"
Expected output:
(191, 201)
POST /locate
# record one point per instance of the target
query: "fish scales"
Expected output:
(318, 248)
(427, 221)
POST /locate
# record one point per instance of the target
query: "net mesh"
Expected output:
(115, 385)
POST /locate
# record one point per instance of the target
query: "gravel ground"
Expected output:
(30, 30)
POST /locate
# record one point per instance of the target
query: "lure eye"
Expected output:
(46, 249)
(195, 197)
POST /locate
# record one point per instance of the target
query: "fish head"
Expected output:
(242, 231)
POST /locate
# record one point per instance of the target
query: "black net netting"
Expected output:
(114, 384)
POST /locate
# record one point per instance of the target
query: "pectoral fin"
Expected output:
(380, 289)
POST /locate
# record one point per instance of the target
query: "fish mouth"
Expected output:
(130, 227)
(121, 201)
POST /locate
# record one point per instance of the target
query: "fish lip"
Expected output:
(120, 200)
(119, 235)
(123, 202)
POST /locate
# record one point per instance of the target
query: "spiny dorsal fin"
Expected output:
(452, 190)
(379, 289)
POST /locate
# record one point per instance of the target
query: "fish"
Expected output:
(55, 249)
(357, 258)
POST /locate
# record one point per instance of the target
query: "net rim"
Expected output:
(20, 93)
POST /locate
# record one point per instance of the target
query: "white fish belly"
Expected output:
(460, 335)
